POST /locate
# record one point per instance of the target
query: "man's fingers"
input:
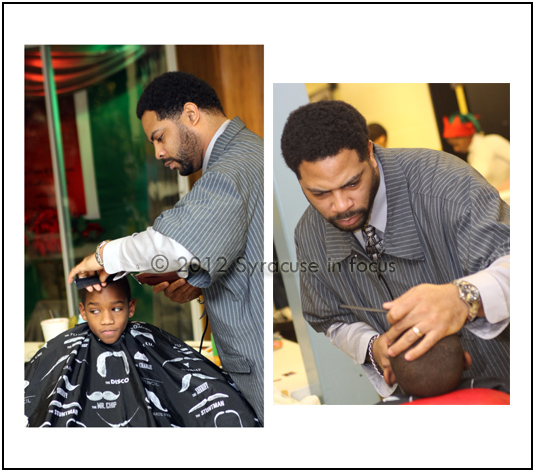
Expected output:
(160, 287)
(178, 283)
(427, 343)
(173, 287)
(96, 287)
(397, 329)
(398, 309)
(193, 292)
(76, 271)
(178, 287)
(103, 276)
(404, 342)
(88, 265)
(180, 291)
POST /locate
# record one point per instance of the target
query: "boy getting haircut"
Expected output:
(114, 372)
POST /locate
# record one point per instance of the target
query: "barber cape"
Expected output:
(146, 378)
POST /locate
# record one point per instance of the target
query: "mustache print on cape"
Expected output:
(135, 333)
(77, 422)
(226, 413)
(141, 357)
(178, 359)
(97, 396)
(209, 399)
(56, 364)
(66, 405)
(154, 399)
(185, 350)
(101, 362)
(124, 423)
(68, 386)
(187, 378)
(77, 340)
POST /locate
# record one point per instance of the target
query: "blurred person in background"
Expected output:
(488, 154)
(377, 134)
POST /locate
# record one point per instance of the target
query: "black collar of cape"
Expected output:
(342, 244)
(233, 128)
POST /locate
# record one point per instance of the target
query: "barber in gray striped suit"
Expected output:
(219, 223)
(434, 253)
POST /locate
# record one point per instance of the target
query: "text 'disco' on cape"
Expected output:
(147, 378)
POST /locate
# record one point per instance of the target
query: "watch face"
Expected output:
(470, 290)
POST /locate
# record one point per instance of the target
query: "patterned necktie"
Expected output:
(374, 245)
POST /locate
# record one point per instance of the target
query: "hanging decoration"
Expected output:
(77, 67)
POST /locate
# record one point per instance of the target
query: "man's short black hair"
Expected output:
(376, 130)
(323, 129)
(436, 372)
(122, 284)
(167, 94)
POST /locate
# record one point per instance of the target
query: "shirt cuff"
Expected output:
(494, 287)
(353, 339)
(378, 382)
(111, 255)
(492, 297)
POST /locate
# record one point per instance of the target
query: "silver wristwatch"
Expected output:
(97, 252)
(469, 294)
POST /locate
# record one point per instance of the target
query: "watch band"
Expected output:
(97, 252)
(469, 294)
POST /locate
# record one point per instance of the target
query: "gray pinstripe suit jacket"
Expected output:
(444, 221)
(221, 222)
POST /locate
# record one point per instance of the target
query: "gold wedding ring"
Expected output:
(417, 331)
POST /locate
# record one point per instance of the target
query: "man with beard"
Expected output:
(218, 225)
(413, 231)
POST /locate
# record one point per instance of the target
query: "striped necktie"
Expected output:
(374, 245)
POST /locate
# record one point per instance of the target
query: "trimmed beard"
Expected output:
(190, 152)
(365, 212)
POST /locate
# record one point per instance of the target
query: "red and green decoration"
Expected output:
(42, 232)
(459, 125)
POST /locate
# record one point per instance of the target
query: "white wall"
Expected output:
(404, 110)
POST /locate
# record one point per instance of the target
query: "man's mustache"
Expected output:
(171, 159)
(346, 215)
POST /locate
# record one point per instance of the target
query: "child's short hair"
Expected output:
(122, 284)
(436, 372)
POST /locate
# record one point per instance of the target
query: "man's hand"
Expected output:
(379, 348)
(179, 291)
(88, 267)
(436, 310)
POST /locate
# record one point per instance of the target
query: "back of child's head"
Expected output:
(436, 372)
(122, 285)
